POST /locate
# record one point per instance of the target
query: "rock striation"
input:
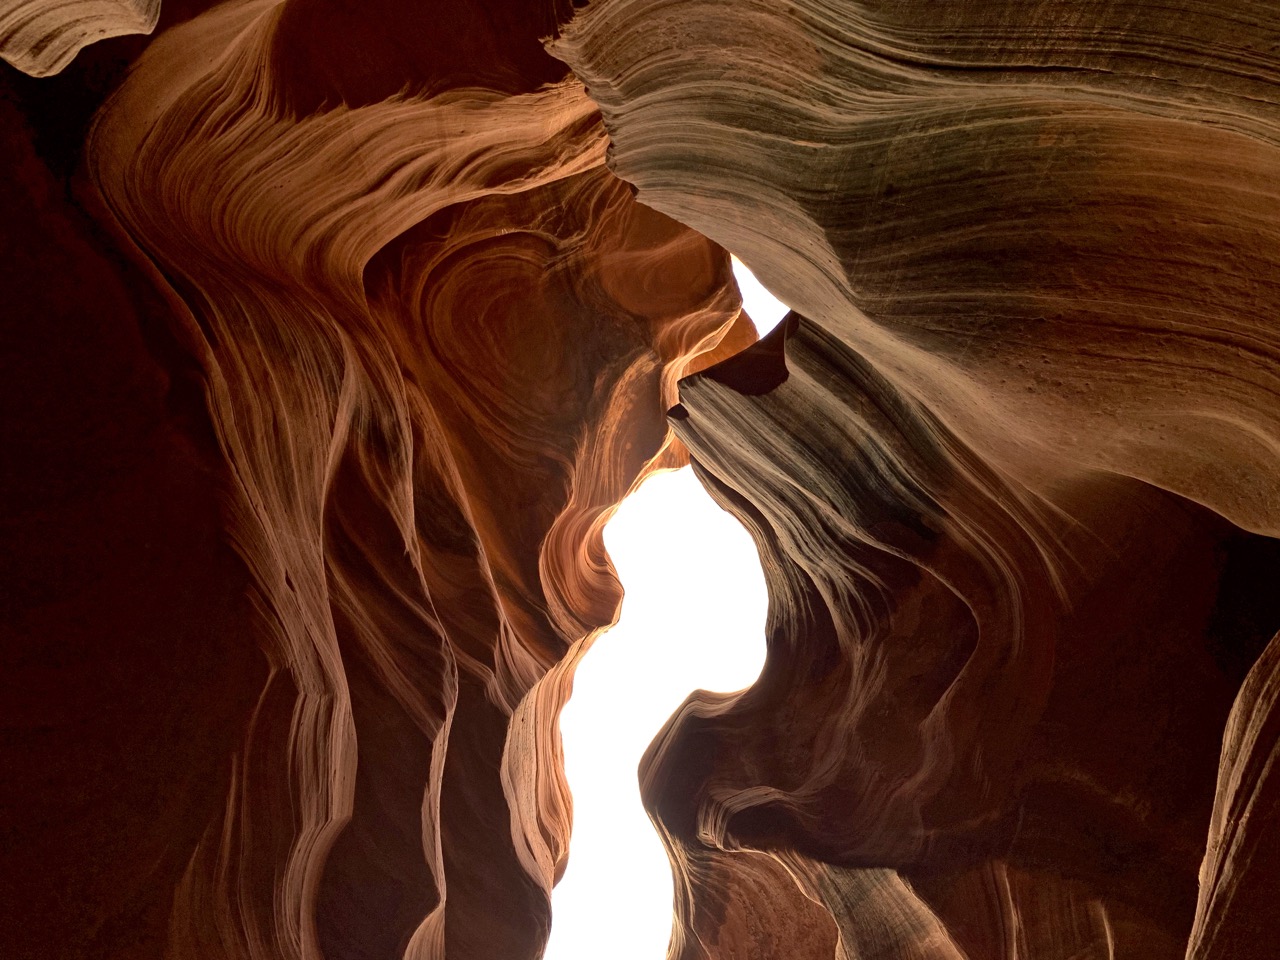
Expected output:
(1011, 467)
(334, 336)
(336, 382)
(40, 38)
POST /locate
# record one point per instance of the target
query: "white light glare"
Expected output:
(693, 618)
(764, 309)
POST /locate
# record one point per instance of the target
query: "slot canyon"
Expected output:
(334, 333)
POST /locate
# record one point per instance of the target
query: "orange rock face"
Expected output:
(334, 335)
(349, 378)
(1011, 467)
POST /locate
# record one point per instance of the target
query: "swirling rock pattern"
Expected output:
(334, 340)
(359, 367)
(1053, 222)
(40, 37)
(990, 722)
(1011, 469)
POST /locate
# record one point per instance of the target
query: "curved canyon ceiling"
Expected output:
(333, 334)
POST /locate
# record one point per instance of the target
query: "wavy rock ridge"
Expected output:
(41, 38)
(422, 345)
(330, 360)
(1000, 470)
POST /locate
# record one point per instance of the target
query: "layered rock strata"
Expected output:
(1012, 467)
(332, 343)
(324, 383)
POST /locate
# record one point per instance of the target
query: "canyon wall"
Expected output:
(334, 335)
(323, 386)
(1011, 467)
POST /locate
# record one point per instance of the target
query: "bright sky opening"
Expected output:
(693, 618)
(765, 310)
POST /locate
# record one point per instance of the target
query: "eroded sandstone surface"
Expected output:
(334, 334)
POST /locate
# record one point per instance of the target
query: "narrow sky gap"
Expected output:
(693, 618)
(765, 310)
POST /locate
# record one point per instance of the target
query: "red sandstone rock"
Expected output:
(332, 344)
(405, 355)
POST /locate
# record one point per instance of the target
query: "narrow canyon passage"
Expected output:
(334, 335)
(692, 619)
